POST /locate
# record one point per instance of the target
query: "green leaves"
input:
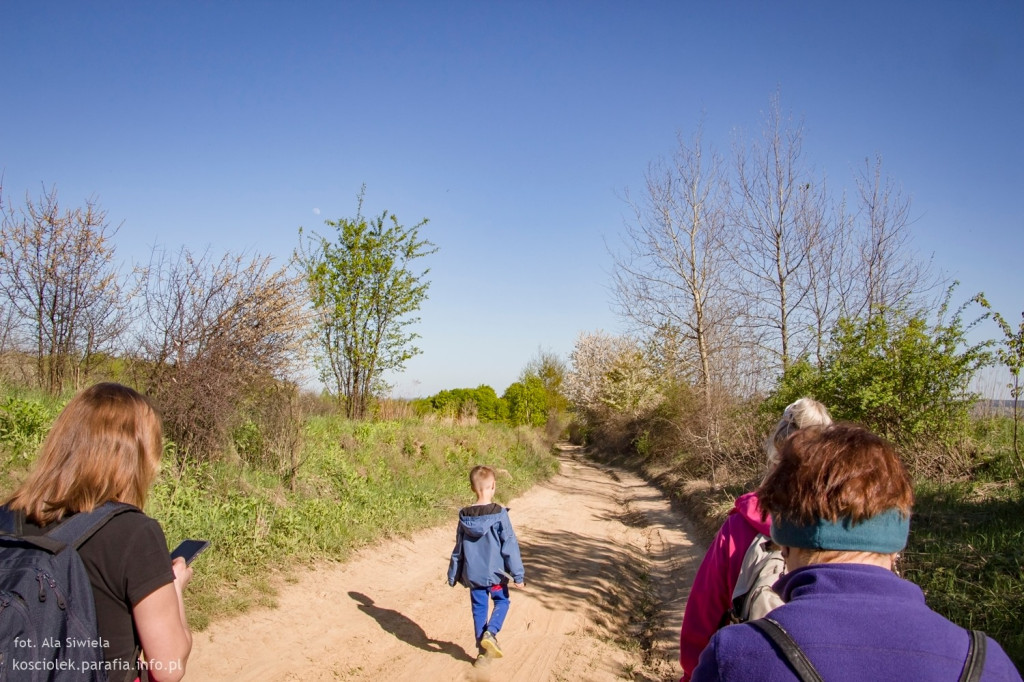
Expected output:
(896, 372)
(1010, 352)
(527, 402)
(365, 290)
(23, 425)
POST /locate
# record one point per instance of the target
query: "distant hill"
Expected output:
(995, 406)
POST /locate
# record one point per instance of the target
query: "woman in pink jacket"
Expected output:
(710, 597)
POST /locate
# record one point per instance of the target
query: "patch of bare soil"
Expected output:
(608, 568)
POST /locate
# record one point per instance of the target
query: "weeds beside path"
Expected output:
(608, 567)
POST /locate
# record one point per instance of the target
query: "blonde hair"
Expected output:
(798, 415)
(479, 476)
(104, 446)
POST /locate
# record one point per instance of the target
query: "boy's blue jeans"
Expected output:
(479, 597)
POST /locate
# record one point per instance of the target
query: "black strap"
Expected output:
(72, 531)
(975, 662)
(10, 521)
(81, 526)
(12, 527)
(973, 666)
(789, 648)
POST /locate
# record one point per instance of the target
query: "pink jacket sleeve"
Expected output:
(711, 595)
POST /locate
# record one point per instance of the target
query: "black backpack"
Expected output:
(47, 615)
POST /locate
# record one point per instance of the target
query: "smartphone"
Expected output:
(190, 549)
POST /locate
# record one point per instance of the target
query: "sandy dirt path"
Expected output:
(607, 561)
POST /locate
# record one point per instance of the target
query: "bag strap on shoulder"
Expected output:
(975, 662)
(805, 670)
(10, 521)
(12, 528)
(81, 526)
(792, 652)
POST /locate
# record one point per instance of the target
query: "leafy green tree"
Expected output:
(446, 402)
(550, 370)
(482, 402)
(527, 402)
(490, 408)
(364, 289)
(802, 379)
(1011, 355)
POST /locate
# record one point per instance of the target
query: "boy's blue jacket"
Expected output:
(485, 545)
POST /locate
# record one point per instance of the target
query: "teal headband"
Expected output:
(884, 533)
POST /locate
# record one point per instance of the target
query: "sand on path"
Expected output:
(607, 561)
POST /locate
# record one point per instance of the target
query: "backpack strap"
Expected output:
(790, 649)
(975, 662)
(10, 521)
(12, 527)
(81, 526)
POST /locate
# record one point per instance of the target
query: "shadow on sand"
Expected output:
(407, 630)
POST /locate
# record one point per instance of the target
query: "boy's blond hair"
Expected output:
(479, 476)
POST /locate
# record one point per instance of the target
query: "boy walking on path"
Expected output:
(485, 557)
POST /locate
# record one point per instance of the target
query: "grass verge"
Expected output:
(966, 551)
(361, 482)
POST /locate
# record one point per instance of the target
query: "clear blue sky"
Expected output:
(515, 127)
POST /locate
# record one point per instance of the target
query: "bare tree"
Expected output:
(827, 275)
(888, 275)
(670, 277)
(214, 333)
(777, 212)
(7, 318)
(58, 277)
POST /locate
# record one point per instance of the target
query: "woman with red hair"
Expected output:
(105, 446)
(840, 502)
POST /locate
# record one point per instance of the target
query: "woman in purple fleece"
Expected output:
(840, 503)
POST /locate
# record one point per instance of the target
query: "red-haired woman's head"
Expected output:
(105, 445)
(838, 487)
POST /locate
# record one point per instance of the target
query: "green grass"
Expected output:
(966, 551)
(361, 482)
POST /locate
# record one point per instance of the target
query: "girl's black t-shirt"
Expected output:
(127, 560)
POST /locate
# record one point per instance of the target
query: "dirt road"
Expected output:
(608, 567)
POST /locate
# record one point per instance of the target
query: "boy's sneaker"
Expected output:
(489, 644)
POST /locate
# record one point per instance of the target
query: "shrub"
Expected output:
(23, 426)
(481, 403)
(903, 377)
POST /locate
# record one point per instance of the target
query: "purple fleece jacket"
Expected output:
(854, 622)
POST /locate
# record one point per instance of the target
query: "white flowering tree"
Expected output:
(610, 375)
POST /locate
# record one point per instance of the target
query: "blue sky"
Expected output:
(515, 127)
